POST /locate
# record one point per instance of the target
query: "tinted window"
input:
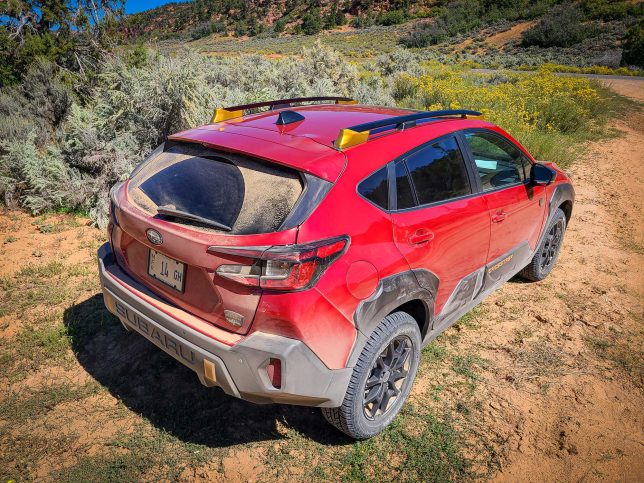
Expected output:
(498, 162)
(376, 188)
(438, 172)
(404, 195)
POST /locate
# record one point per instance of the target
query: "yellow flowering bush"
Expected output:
(541, 109)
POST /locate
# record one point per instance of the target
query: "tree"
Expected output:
(334, 17)
(633, 46)
(71, 33)
(312, 22)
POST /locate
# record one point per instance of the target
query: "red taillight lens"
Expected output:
(288, 267)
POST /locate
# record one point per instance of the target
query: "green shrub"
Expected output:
(400, 60)
(312, 22)
(562, 27)
(459, 16)
(335, 16)
(38, 105)
(607, 10)
(279, 25)
(633, 46)
(240, 28)
(68, 153)
(404, 87)
(207, 28)
(467, 16)
(363, 21)
(64, 149)
(392, 17)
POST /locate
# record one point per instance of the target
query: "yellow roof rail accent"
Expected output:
(481, 117)
(224, 115)
(346, 103)
(347, 138)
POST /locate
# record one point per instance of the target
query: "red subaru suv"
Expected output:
(305, 253)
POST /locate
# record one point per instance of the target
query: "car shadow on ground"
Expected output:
(154, 385)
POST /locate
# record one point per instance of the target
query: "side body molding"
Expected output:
(392, 292)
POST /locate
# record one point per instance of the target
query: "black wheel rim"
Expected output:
(388, 374)
(551, 245)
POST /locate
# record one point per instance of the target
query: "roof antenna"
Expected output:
(288, 117)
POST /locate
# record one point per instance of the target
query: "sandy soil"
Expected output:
(588, 425)
(633, 88)
(560, 397)
(509, 35)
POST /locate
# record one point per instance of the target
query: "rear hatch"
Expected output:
(186, 198)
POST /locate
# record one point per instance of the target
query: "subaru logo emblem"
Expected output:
(154, 237)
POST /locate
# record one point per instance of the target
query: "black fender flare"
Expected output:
(391, 293)
(561, 193)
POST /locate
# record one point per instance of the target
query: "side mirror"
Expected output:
(541, 175)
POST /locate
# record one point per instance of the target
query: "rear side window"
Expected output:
(438, 172)
(245, 194)
(498, 162)
(376, 188)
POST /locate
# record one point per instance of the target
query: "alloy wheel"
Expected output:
(551, 245)
(387, 377)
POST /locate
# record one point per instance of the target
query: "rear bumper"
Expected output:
(239, 369)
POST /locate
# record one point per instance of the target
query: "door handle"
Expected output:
(499, 216)
(421, 236)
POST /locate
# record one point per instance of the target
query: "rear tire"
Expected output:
(381, 379)
(548, 250)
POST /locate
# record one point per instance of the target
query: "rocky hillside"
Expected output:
(199, 18)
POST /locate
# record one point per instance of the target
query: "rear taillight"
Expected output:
(286, 268)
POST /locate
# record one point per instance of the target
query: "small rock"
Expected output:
(37, 253)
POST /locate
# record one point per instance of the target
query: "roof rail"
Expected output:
(359, 133)
(223, 114)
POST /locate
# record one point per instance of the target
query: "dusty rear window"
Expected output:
(247, 195)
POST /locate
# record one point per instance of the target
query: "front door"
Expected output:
(516, 207)
(440, 223)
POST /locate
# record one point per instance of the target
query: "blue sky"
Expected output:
(133, 6)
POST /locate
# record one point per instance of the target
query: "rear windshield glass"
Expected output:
(245, 194)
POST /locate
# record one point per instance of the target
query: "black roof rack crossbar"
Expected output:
(401, 121)
(359, 133)
(223, 114)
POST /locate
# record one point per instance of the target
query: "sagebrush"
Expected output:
(65, 142)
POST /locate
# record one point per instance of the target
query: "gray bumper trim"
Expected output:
(239, 369)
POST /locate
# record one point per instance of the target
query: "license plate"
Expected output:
(167, 270)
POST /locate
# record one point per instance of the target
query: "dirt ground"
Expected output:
(541, 382)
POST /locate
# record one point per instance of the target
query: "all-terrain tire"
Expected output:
(351, 418)
(547, 252)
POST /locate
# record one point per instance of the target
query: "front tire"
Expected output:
(381, 379)
(548, 250)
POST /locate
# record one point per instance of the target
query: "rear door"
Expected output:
(516, 207)
(440, 223)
